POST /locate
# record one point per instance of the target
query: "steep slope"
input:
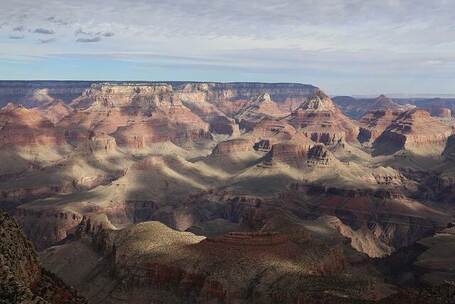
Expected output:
(320, 119)
(22, 279)
(27, 127)
(373, 123)
(237, 267)
(256, 110)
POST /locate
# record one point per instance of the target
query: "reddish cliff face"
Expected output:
(373, 123)
(233, 147)
(138, 116)
(320, 119)
(300, 154)
(416, 131)
(21, 127)
(256, 110)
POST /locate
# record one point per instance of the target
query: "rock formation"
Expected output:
(283, 202)
(20, 127)
(259, 108)
(373, 123)
(22, 279)
(415, 131)
(320, 119)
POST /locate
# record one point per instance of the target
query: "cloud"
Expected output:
(46, 41)
(57, 21)
(307, 38)
(19, 28)
(43, 31)
(81, 32)
(16, 37)
(89, 40)
(108, 34)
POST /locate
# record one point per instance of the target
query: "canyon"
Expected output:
(202, 192)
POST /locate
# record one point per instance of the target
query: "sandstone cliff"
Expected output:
(415, 131)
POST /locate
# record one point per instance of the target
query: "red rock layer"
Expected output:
(416, 131)
(233, 146)
(21, 127)
(322, 121)
(373, 123)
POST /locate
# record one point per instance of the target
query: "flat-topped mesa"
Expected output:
(415, 131)
(232, 147)
(100, 143)
(300, 154)
(250, 239)
(111, 95)
(320, 119)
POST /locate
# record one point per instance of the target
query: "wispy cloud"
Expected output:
(19, 29)
(89, 40)
(45, 41)
(44, 31)
(57, 21)
(310, 40)
(16, 37)
(108, 34)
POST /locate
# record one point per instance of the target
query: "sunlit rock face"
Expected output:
(206, 188)
(320, 119)
(21, 127)
(373, 123)
(416, 131)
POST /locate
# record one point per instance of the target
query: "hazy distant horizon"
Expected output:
(361, 47)
(330, 93)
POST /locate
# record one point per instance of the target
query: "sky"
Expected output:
(348, 47)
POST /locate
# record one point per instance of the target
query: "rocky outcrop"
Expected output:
(299, 155)
(373, 123)
(256, 110)
(320, 119)
(21, 127)
(415, 131)
(22, 279)
(55, 112)
(194, 269)
(232, 147)
(46, 227)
